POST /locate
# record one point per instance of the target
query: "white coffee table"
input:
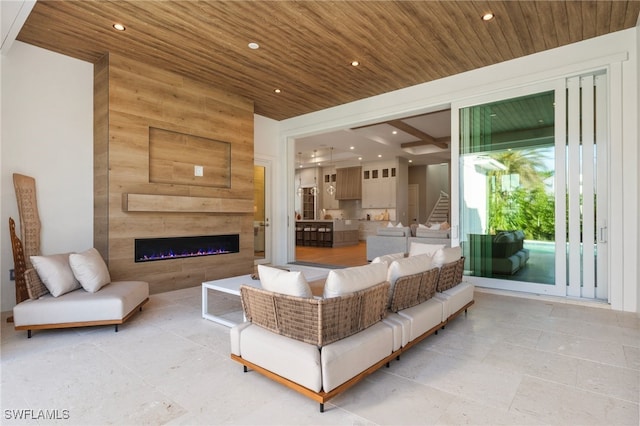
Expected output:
(232, 286)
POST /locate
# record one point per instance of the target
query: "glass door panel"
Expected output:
(507, 170)
(533, 204)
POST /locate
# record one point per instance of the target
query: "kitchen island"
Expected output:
(327, 233)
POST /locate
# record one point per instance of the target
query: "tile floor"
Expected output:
(510, 361)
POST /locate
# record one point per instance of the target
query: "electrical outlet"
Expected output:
(12, 275)
(198, 171)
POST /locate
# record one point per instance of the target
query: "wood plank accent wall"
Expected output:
(129, 98)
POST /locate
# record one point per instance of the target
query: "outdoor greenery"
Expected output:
(520, 197)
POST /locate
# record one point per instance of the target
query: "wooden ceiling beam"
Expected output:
(439, 142)
(425, 138)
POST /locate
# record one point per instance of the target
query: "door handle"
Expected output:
(603, 234)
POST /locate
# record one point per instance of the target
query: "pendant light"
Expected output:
(300, 190)
(314, 190)
(331, 189)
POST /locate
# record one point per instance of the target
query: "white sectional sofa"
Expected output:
(368, 316)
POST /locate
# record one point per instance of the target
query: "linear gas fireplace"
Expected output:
(151, 249)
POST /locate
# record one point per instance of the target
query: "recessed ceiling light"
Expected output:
(119, 27)
(411, 161)
(355, 63)
(379, 155)
(395, 132)
(360, 158)
(277, 90)
(488, 16)
(352, 147)
(253, 45)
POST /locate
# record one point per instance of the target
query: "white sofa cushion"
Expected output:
(349, 280)
(419, 248)
(113, 302)
(446, 255)
(401, 327)
(388, 258)
(348, 357)
(423, 317)
(280, 281)
(55, 272)
(286, 357)
(90, 270)
(455, 298)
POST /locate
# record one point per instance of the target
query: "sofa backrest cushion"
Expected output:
(446, 255)
(388, 258)
(408, 266)
(90, 269)
(394, 231)
(348, 280)
(280, 281)
(420, 248)
(55, 272)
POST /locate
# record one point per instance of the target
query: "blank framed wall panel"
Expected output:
(174, 158)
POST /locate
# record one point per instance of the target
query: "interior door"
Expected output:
(262, 211)
(414, 206)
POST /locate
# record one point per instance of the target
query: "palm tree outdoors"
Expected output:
(519, 198)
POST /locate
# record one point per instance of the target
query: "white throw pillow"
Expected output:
(90, 269)
(408, 266)
(399, 225)
(388, 258)
(348, 280)
(389, 225)
(420, 248)
(435, 227)
(55, 273)
(278, 280)
(421, 226)
(446, 255)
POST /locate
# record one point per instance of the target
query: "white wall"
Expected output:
(617, 52)
(47, 133)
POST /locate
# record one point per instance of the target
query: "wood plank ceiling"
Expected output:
(306, 47)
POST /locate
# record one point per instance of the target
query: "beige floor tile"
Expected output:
(565, 405)
(510, 361)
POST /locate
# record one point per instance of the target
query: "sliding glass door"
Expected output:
(530, 167)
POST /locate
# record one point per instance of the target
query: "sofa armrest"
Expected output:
(315, 321)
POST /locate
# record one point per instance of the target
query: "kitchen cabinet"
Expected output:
(385, 185)
(348, 183)
(379, 185)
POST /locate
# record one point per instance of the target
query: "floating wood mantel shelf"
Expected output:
(184, 204)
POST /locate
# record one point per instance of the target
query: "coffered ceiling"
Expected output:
(306, 47)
